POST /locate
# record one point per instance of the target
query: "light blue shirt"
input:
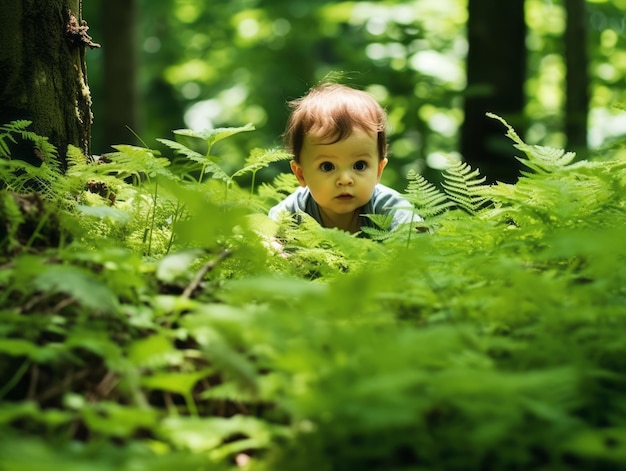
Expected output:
(384, 200)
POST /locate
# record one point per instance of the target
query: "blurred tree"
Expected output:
(44, 78)
(121, 67)
(226, 63)
(230, 62)
(496, 75)
(577, 76)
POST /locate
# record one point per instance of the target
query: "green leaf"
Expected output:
(98, 343)
(183, 150)
(209, 163)
(155, 351)
(78, 283)
(201, 435)
(426, 197)
(105, 212)
(10, 412)
(13, 411)
(177, 265)
(605, 444)
(464, 186)
(135, 161)
(178, 383)
(25, 348)
(541, 159)
(116, 420)
(260, 158)
(212, 136)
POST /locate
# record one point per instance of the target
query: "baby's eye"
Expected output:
(360, 165)
(327, 167)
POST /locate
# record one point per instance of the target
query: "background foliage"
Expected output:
(156, 322)
(230, 63)
(153, 317)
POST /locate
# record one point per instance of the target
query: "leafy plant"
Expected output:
(463, 186)
(170, 332)
(208, 163)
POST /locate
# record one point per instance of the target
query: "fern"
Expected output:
(427, 199)
(45, 150)
(209, 163)
(7, 132)
(464, 186)
(20, 176)
(580, 195)
(135, 162)
(258, 159)
(211, 136)
(541, 159)
(283, 184)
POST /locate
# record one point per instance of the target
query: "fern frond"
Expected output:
(464, 186)
(182, 149)
(374, 233)
(133, 161)
(8, 130)
(427, 199)
(211, 136)
(80, 173)
(75, 157)
(16, 126)
(282, 185)
(285, 182)
(208, 162)
(21, 177)
(383, 221)
(47, 152)
(261, 158)
(541, 159)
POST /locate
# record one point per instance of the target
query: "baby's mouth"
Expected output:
(345, 196)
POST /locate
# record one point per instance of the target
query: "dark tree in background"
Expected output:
(577, 76)
(226, 63)
(120, 107)
(496, 74)
(44, 80)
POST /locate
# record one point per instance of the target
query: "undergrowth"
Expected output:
(154, 318)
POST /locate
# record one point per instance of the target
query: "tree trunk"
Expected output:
(577, 78)
(44, 77)
(121, 94)
(496, 74)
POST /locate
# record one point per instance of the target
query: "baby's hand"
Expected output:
(275, 246)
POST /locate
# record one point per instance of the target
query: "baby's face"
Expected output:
(341, 176)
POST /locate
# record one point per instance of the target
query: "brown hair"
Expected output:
(332, 111)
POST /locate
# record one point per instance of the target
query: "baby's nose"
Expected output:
(345, 178)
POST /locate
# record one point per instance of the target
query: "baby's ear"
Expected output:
(381, 166)
(296, 168)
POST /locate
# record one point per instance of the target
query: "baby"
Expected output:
(337, 137)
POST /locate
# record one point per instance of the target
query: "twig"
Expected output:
(28, 306)
(210, 265)
(63, 304)
(63, 386)
(108, 383)
(34, 379)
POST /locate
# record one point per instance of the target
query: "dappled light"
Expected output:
(312, 235)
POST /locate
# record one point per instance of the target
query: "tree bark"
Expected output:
(577, 78)
(44, 77)
(496, 74)
(121, 94)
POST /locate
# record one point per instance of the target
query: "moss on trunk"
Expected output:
(46, 80)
